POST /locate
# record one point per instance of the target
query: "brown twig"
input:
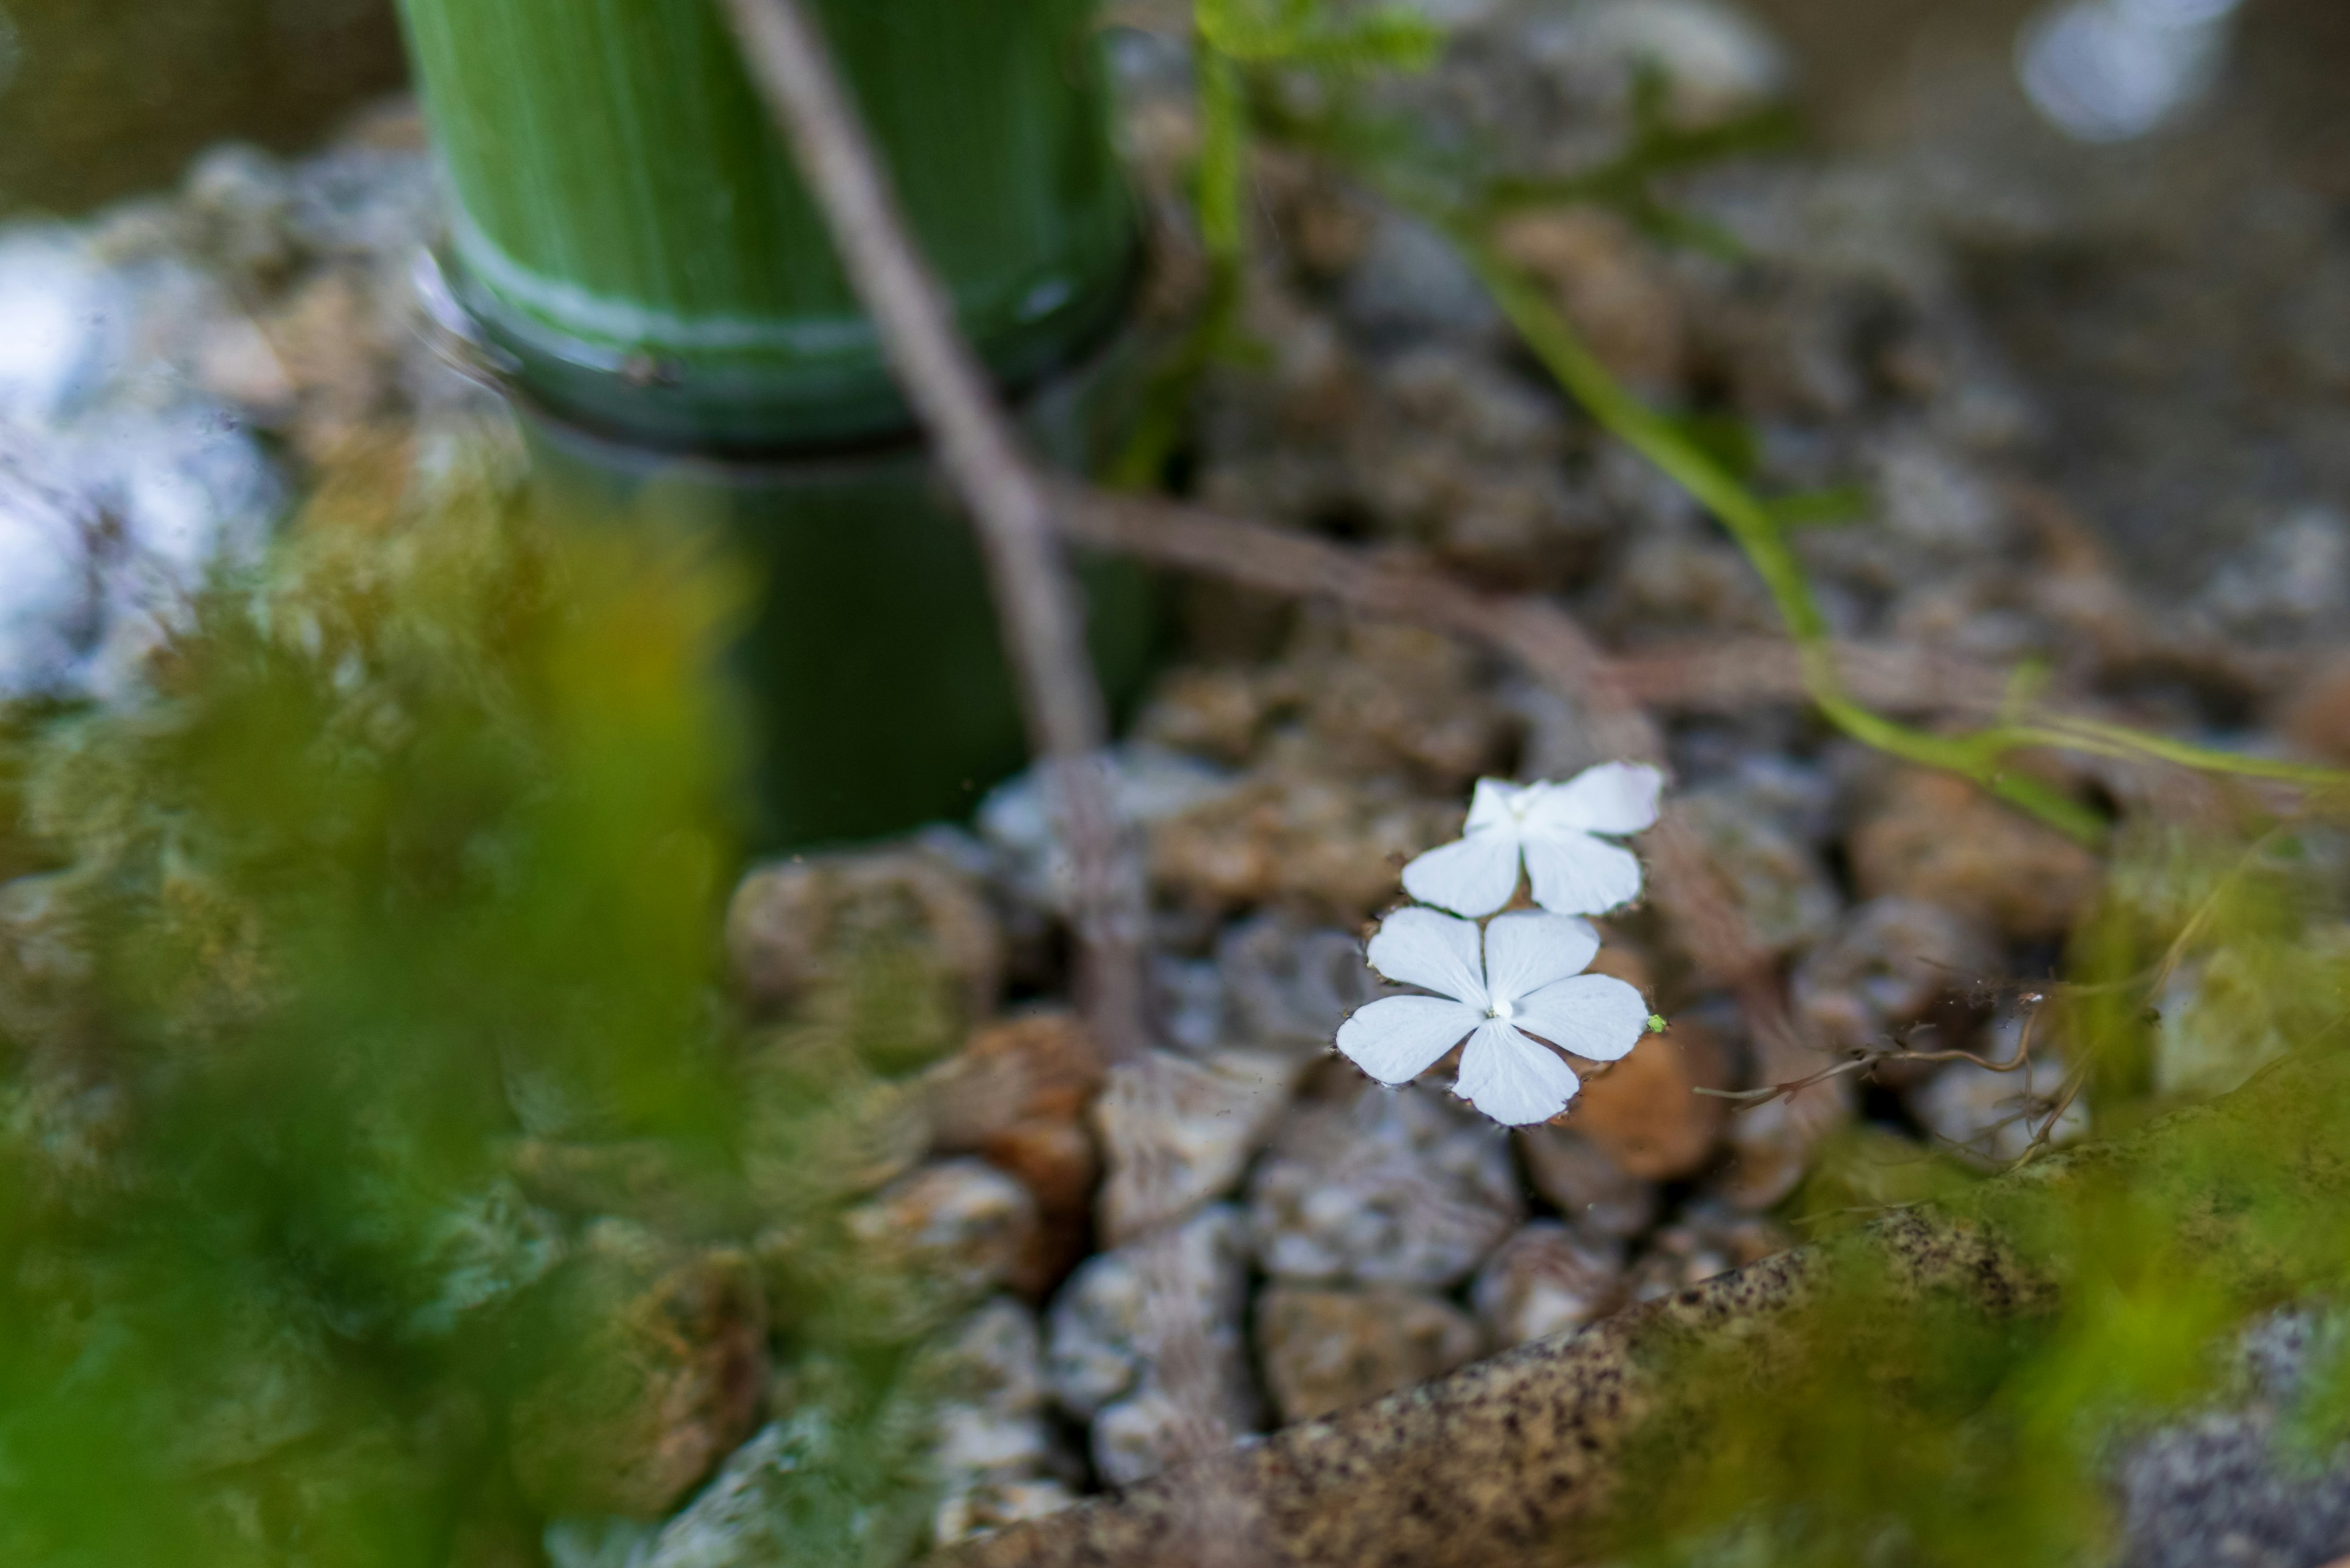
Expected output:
(1535, 633)
(985, 458)
(1870, 1060)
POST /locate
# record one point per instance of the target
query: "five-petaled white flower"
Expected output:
(1529, 981)
(1551, 827)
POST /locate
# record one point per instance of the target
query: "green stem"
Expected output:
(1980, 756)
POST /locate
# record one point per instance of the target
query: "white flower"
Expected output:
(1551, 827)
(1529, 981)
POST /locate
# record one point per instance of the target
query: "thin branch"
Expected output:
(1870, 1060)
(1535, 634)
(981, 453)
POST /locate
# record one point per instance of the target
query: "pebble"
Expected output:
(998, 1455)
(1546, 1279)
(1109, 1329)
(1217, 712)
(805, 922)
(928, 1246)
(2218, 1025)
(1774, 873)
(1177, 1133)
(1720, 62)
(967, 1512)
(991, 1370)
(1039, 1066)
(658, 1362)
(1987, 1118)
(1460, 453)
(1607, 283)
(1149, 785)
(1289, 985)
(1597, 1194)
(1410, 283)
(1292, 832)
(1645, 1113)
(2318, 713)
(1383, 699)
(1379, 1186)
(2292, 576)
(822, 1127)
(1325, 1351)
(1931, 836)
(1891, 960)
(1710, 1237)
(1771, 1144)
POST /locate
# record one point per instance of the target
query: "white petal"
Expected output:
(1576, 874)
(1595, 1016)
(1420, 947)
(1474, 875)
(1613, 797)
(1489, 806)
(1512, 1079)
(1525, 952)
(1397, 1038)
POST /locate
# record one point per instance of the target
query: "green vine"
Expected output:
(1244, 67)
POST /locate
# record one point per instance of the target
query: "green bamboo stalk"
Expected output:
(628, 227)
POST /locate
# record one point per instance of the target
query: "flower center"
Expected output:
(1503, 1009)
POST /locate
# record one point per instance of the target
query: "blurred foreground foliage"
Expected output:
(408, 876)
(1888, 1422)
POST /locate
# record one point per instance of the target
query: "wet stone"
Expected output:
(656, 1364)
(1890, 962)
(1598, 1196)
(1989, 1119)
(1938, 839)
(1645, 1113)
(1290, 985)
(1776, 878)
(1710, 1237)
(1378, 1186)
(1546, 1279)
(1177, 1133)
(929, 1245)
(798, 925)
(1325, 1351)
(998, 1458)
(1109, 1332)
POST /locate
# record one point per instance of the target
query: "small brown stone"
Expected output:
(1547, 1279)
(1645, 1112)
(1018, 1095)
(657, 1361)
(1212, 713)
(797, 923)
(1293, 833)
(1060, 1165)
(1176, 1133)
(2317, 717)
(1931, 836)
(1891, 963)
(1598, 1196)
(1039, 1066)
(1619, 961)
(1609, 286)
(931, 1245)
(1325, 1351)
